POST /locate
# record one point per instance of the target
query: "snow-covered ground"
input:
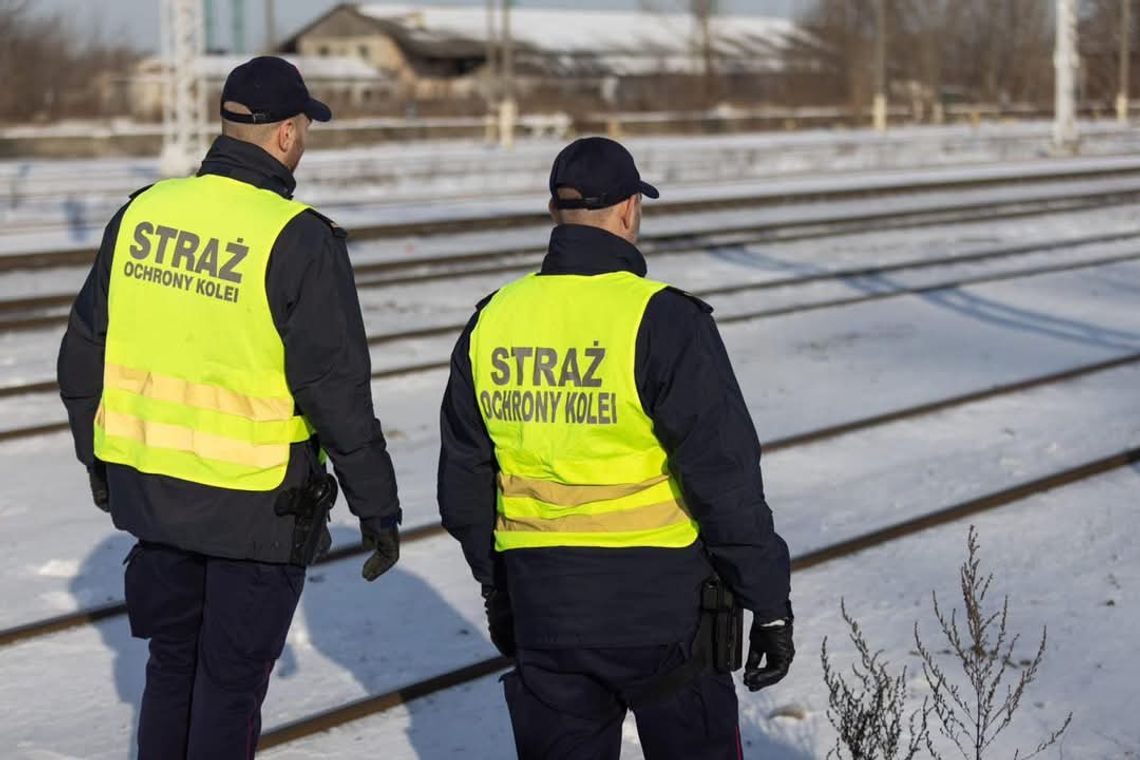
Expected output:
(474, 166)
(803, 213)
(1088, 600)
(1066, 557)
(392, 309)
(47, 226)
(883, 356)
(52, 204)
(1091, 597)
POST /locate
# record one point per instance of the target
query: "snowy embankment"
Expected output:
(55, 204)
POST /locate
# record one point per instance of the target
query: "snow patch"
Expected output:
(26, 752)
(59, 568)
(58, 600)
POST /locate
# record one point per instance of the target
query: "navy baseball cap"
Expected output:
(601, 170)
(272, 88)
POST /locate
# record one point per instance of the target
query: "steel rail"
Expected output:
(385, 274)
(91, 615)
(373, 705)
(452, 226)
(432, 332)
(847, 273)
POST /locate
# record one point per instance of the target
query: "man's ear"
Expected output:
(554, 215)
(286, 134)
(629, 212)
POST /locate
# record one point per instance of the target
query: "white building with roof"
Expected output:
(434, 51)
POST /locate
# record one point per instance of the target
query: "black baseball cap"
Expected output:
(272, 88)
(601, 170)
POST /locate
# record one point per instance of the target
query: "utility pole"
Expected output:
(491, 72)
(702, 11)
(184, 94)
(508, 108)
(210, 23)
(1125, 60)
(1066, 61)
(270, 25)
(879, 109)
(237, 22)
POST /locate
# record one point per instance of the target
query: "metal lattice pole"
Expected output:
(184, 92)
(1067, 61)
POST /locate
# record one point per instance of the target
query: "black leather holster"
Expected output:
(310, 506)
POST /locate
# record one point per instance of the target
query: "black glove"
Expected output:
(500, 620)
(774, 644)
(97, 477)
(385, 546)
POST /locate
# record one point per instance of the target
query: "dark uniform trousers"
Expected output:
(565, 705)
(216, 627)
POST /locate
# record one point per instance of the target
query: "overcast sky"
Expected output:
(137, 20)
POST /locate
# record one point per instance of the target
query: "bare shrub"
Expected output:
(973, 710)
(867, 708)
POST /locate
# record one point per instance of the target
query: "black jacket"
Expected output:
(312, 296)
(592, 597)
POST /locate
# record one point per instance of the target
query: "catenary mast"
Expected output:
(1067, 62)
(879, 107)
(184, 92)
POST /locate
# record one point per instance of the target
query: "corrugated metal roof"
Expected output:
(620, 42)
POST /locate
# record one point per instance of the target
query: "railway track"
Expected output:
(843, 274)
(99, 613)
(38, 312)
(889, 292)
(656, 245)
(374, 705)
(367, 168)
(453, 226)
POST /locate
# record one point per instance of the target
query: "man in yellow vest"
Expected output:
(601, 471)
(213, 356)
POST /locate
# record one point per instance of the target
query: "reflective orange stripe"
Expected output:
(661, 515)
(163, 436)
(197, 395)
(564, 495)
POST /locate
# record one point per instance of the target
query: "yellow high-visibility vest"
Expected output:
(194, 382)
(552, 358)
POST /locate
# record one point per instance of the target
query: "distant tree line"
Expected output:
(1100, 50)
(940, 52)
(987, 51)
(53, 68)
(993, 53)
